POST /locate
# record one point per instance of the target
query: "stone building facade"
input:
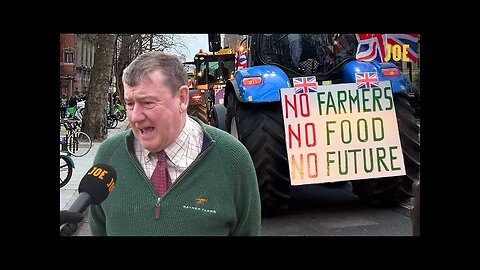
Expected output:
(76, 61)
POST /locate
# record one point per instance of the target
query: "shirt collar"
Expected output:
(177, 150)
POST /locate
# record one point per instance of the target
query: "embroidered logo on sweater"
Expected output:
(201, 200)
(200, 209)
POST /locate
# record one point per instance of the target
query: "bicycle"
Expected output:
(76, 142)
(112, 120)
(66, 166)
(120, 112)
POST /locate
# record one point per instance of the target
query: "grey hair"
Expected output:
(148, 62)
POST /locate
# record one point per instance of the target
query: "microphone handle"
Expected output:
(68, 229)
(81, 203)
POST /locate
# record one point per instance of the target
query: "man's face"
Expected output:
(156, 115)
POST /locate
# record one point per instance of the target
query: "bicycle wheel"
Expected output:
(79, 144)
(66, 170)
(121, 116)
(112, 122)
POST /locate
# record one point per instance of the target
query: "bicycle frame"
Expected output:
(67, 158)
(70, 140)
(67, 167)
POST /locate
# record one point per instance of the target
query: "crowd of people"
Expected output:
(68, 105)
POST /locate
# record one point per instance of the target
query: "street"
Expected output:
(317, 210)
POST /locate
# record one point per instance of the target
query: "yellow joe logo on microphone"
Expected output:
(100, 174)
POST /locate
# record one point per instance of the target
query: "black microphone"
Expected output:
(94, 188)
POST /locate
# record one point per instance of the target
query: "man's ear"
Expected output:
(183, 97)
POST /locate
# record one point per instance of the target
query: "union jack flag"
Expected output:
(401, 39)
(371, 47)
(366, 79)
(305, 84)
(240, 60)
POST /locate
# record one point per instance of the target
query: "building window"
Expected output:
(91, 55)
(83, 53)
(68, 56)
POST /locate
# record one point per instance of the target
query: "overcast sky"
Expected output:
(194, 43)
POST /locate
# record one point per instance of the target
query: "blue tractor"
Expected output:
(254, 112)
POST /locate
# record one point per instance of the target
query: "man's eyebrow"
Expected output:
(143, 97)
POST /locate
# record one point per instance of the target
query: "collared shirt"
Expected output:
(180, 154)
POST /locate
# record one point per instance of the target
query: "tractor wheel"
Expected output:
(218, 116)
(397, 189)
(199, 111)
(260, 128)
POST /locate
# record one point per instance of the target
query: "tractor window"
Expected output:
(230, 65)
(221, 72)
(215, 68)
(205, 74)
(221, 69)
(307, 53)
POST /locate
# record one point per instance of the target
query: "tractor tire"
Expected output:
(199, 111)
(260, 128)
(395, 190)
(218, 116)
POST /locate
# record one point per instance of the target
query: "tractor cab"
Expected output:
(213, 69)
(321, 55)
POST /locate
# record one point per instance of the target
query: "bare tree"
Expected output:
(94, 120)
(129, 46)
(162, 42)
(124, 58)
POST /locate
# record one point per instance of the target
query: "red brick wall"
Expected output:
(67, 70)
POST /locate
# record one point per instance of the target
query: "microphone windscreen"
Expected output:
(98, 182)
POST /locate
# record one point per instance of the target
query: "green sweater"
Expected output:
(216, 196)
